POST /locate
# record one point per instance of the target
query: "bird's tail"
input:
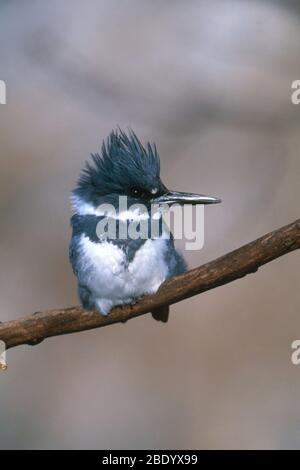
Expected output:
(161, 313)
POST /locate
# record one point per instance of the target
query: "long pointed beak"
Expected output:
(175, 197)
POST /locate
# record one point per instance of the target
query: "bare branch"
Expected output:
(247, 259)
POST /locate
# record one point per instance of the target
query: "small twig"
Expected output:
(247, 259)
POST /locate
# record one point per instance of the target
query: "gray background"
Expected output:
(210, 83)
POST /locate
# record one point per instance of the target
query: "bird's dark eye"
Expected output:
(138, 193)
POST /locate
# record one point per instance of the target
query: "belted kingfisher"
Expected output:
(112, 270)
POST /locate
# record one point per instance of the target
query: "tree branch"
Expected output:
(247, 259)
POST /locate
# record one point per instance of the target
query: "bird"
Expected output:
(113, 270)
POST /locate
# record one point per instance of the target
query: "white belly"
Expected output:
(111, 281)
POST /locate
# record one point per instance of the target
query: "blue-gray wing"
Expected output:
(174, 259)
(74, 253)
(177, 265)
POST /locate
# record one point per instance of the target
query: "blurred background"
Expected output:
(210, 83)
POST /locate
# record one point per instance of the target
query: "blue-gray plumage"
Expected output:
(113, 270)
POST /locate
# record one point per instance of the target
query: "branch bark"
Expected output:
(247, 259)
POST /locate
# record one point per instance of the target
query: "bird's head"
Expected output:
(127, 168)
